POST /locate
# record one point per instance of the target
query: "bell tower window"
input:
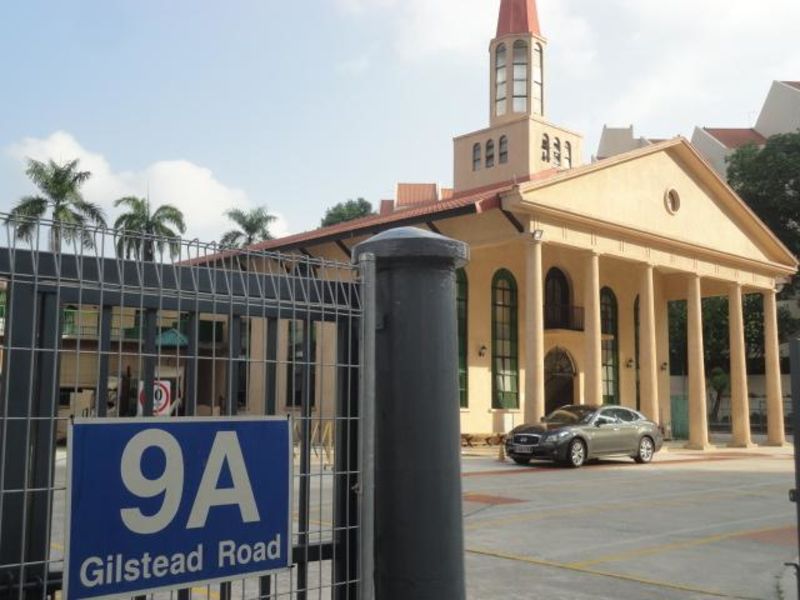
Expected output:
(538, 79)
(520, 77)
(503, 150)
(476, 157)
(500, 80)
(568, 155)
(489, 154)
(545, 148)
(557, 152)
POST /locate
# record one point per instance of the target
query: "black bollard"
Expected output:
(419, 538)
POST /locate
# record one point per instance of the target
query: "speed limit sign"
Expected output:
(162, 398)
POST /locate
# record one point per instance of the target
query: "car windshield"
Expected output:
(570, 415)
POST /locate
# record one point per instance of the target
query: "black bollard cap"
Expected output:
(413, 243)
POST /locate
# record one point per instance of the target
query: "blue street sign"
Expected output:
(164, 503)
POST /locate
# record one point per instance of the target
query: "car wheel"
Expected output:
(521, 460)
(646, 451)
(576, 453)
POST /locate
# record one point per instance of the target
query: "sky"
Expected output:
(297, 106)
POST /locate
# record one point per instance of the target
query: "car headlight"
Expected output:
(556, 437)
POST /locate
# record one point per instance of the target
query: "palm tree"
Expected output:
(144, 230)
(60, 192)
(253, 227)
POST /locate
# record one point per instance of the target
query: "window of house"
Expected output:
(476, 157)
(609, 318)
(505, 350)
(500, 80)
(503, 150)
(545, 148)
(568, 155)
(301, 363)
(557, 152)
(462, 301)
(520, 92)
(489, 154)
(537, 69)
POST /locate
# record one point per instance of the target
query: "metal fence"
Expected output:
(95, 320)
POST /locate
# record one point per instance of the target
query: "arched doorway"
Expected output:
(559, 379)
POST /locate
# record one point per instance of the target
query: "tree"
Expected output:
(60, 193)
(719, 382)
(144, 230)
(253, 226)
(768, 179)
(347, 211)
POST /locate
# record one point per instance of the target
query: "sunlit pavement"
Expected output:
(717, 524)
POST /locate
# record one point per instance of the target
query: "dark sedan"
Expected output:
(572, 435)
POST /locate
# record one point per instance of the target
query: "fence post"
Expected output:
(419, 540)
(794, 348)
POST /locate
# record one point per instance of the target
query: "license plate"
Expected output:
(523, 449)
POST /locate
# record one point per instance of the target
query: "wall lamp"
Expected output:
(629, 364)
(482, 351)
(538, 235)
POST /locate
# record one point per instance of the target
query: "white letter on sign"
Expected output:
(170, 482)
(226, 447)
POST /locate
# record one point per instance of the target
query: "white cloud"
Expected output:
(192, 188)
(355, 66)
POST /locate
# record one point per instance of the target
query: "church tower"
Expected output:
(517, 63)
(519, 142)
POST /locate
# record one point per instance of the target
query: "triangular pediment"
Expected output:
(632, 191)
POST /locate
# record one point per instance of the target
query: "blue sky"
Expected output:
(299, 105)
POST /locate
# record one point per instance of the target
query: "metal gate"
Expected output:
(95, 320)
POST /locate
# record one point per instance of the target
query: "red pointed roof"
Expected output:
(518, 16)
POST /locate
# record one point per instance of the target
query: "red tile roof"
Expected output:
(518, 16)
(412, 194)
(470, 201)
(794, 84)
(736, 138)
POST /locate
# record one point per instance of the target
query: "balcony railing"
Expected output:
(563, 316)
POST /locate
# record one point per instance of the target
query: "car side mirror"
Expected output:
(598, 423)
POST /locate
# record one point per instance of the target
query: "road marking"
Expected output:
(676, 499)
(578, 569)
(653, 550)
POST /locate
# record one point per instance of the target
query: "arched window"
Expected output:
(557, 152)
(462, 303)
(557, 304)
(505, 351)
(537, 71)
(476, 157)
(520, 98)
(546, 148)
(503, 150)
(609, 317)
(500, 80)
(489, 154)
(568, 155)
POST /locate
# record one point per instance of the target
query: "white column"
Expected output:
(593, 333)
(775, 432)
(698, 415)
(648, 355)
(740, 409)
(534, 333)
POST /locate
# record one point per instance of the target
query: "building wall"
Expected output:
(714, 152)
(781, 111)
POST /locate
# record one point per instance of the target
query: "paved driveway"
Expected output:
(689, 525)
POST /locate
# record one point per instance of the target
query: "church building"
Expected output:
(572, 265)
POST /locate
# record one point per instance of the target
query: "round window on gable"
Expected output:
(672, 201)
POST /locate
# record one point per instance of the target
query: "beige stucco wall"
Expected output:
(524, 152)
